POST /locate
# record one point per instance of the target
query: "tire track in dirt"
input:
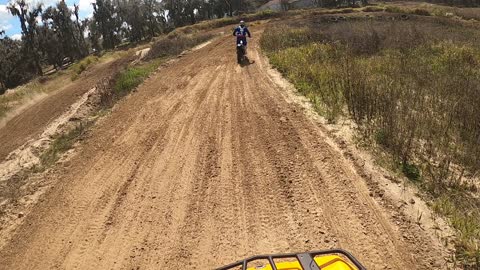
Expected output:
(32, 121)
(204, 164)
(324, 184)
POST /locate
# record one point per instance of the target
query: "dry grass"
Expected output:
(467, 13)
(464, 13)
(28, 92)
(410, 86)
(82, 65)
(175, 43)
(217, 23)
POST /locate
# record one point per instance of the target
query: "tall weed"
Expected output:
(414, 89)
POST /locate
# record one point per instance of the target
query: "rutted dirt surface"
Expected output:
(207, 163)
(32, 121)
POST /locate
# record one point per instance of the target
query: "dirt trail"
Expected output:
(32, 120)
(205, 164)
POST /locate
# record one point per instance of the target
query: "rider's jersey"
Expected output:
(241, 34)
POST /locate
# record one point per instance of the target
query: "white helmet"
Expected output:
(242, 23)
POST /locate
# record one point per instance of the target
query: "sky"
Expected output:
(11, 24)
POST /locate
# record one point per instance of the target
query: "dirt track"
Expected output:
(33, 120)
(205, 164)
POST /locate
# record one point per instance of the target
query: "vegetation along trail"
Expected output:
(207, 163)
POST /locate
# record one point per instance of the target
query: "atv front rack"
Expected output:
(306, 260)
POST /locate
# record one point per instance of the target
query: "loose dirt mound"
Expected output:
(204, 164)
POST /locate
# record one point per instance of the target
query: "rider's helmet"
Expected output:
(242, 23)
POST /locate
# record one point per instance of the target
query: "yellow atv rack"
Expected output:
(335, 259)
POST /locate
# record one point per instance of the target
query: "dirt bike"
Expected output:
(335, 259)
(241, 51)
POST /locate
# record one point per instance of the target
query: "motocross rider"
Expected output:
(241, 33)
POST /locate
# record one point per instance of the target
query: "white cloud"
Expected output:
(5, 27)
(16, 36)
(4, 14)
(86, 5)
(5, 17)
(46, 3)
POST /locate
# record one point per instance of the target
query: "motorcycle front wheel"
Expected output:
(239, 58)
(240, 55)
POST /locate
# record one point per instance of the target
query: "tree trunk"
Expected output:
(38, 66)
(152, 30)
(36, 60)
(192, 16)
(2, 87)
(230, 8)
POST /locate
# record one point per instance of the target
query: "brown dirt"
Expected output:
(31, 121)
(204, 164)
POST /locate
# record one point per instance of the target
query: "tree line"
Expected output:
(54, 35)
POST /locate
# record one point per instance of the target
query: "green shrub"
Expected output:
(82, 65)
(127, 80)
(381, 138)
(411, 171)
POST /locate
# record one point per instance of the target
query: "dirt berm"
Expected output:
(207, 163)
(31, 122)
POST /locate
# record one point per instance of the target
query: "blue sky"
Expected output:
(11, 24)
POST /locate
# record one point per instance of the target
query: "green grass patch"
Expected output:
(62, 143)
(129, 79)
